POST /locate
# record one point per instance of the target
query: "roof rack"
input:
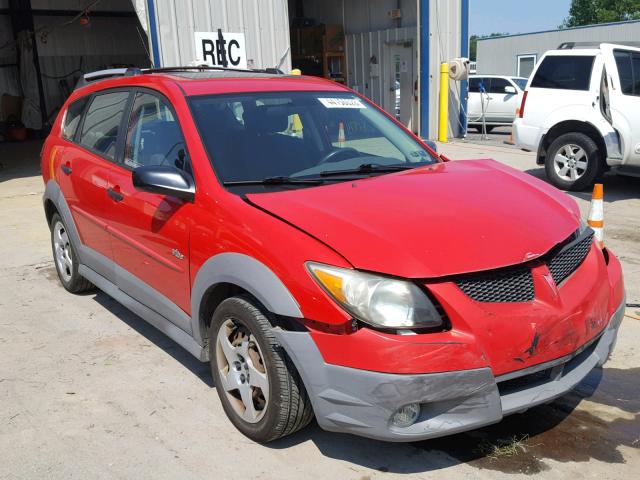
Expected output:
(572, 45)
(204, 68)
(91, 77)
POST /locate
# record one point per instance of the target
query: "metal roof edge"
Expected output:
(582, 27)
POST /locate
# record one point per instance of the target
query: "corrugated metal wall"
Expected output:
(500, 55)
(444, 44)
(362, 46)
(265, 24)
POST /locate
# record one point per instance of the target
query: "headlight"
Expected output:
(379, 301)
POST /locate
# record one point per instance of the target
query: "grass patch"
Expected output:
(503, 447)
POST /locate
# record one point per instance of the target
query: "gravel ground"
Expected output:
(89, 390)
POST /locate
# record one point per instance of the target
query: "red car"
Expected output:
(322, 258)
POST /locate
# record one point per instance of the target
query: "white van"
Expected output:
(501, 96)
(581, 113)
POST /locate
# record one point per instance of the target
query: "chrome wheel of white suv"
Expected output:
(570, 162)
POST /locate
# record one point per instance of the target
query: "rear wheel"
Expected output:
(65, 258)
(573, 161)
(259, 388)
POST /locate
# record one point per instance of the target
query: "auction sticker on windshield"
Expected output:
(342, 103)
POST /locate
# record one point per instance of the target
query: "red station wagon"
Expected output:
(321, 257)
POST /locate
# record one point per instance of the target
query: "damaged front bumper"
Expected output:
(363, 402)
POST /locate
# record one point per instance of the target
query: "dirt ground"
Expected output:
(89, 390)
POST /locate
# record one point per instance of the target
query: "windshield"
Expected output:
(301, 135)
(520, 82)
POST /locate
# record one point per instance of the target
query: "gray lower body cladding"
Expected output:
(363, 402)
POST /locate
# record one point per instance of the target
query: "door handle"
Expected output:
(115, 195)
(66, 168)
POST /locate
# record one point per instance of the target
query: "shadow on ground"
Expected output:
(520, 443)
(616, 187)
(195, 366)
(20, 159)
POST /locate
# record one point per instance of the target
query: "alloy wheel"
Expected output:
(241, 371)
(62, 249)
(570, 162)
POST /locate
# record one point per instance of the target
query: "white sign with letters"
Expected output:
(221, 49)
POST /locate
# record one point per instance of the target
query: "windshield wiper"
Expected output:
(368, 168)
(277, 181)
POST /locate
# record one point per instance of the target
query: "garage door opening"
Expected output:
(368, 45)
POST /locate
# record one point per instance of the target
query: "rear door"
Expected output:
(85, 166)
(561, 80)
(150, 231)
(623, 75)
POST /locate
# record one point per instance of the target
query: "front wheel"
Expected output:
(259, 388)
(573, 161)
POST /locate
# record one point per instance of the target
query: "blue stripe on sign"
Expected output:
(157, 63)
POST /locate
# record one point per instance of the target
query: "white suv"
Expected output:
(581, 113)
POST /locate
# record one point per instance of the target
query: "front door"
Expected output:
(399, 83)
(150, 232)
(623, 74)
(502, 105)
(85, 167)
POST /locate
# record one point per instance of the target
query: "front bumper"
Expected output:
(362, 402)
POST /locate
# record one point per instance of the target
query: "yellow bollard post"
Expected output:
(443, 128)
(296, 129)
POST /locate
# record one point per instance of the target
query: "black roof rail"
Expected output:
(91, 77)
(204, 68)
(572, 45)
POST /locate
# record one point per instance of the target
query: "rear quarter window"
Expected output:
(72, 118)
(564, 72)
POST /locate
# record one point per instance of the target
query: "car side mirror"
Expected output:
(510, 90)
(165, 180)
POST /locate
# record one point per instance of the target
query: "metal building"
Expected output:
(416, 35)
(518, 54)
(392, 48)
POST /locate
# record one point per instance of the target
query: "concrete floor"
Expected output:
(89, 390)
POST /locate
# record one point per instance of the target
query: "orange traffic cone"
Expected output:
(341, 138)
(596, 213)
(510, 141)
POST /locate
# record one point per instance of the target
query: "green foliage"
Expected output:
(473, 43)
(589, 12)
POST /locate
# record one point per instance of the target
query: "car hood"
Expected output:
(449, 218)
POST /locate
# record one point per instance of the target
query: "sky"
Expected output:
(515, 16)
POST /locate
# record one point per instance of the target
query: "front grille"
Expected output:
(514, 285)
(565, 262)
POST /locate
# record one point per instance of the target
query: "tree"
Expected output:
(589, 12)
(473, 43)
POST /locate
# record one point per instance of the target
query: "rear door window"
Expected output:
(102, 123)
(564, 72)
(72, 118)
(628, 64)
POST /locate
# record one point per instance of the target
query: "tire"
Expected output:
(479, 128)
(285, 407)
(581, 157)
(65, 258)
